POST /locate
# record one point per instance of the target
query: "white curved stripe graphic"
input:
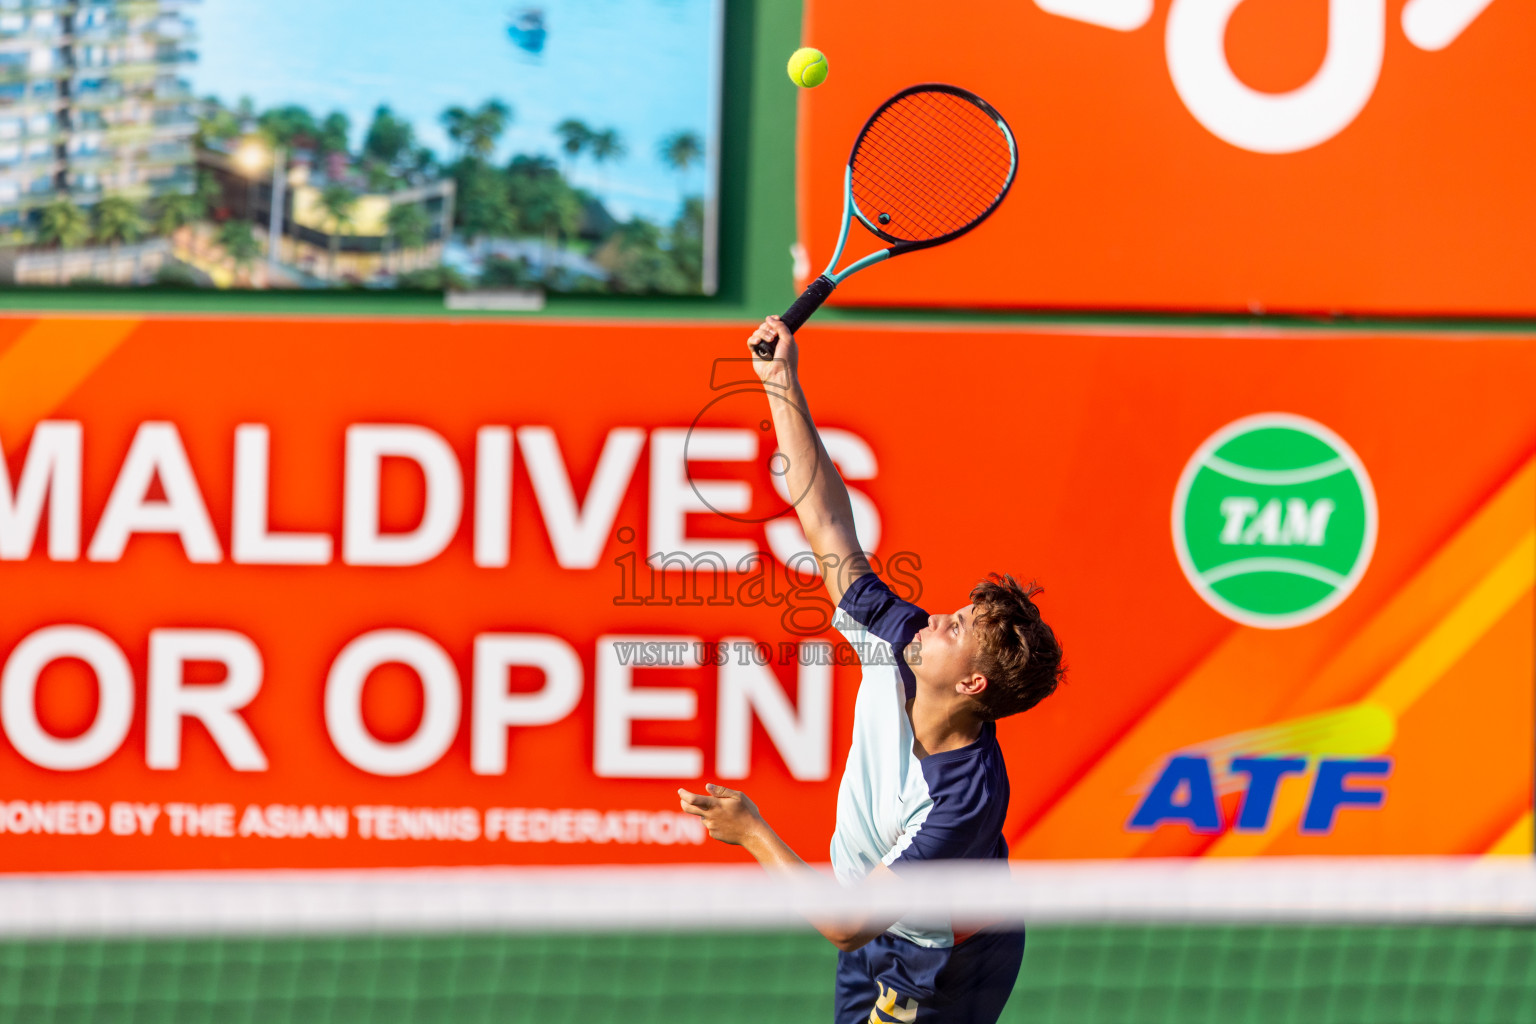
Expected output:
(1276, 477)
(1120, 15)
(1435, 24)
(1289, 566)
(1275, 122)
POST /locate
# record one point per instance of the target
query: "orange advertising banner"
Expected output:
(281, 594)
(1356, 156)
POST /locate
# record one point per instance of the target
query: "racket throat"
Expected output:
(809, 302)
(797, 314)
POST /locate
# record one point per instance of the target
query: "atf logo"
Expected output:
(1274, 520)
(1337, 754)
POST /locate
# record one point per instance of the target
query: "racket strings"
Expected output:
(945, 189)
(953, 173)
(929, 165)
(933, 166)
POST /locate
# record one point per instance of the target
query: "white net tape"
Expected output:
(712, 897)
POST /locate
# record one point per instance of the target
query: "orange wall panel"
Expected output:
(1157, 170)
(1051, 455)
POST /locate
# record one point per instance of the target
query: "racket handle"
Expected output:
(796, 315)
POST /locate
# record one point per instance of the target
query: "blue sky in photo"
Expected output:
(645, 67)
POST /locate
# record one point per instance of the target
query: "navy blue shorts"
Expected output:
(894, 980)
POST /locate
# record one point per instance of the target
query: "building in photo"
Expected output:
(91, 103)
(91, 106)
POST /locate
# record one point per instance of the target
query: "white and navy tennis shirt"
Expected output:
(892, 807)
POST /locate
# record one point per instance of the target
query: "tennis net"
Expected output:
(1359, 941)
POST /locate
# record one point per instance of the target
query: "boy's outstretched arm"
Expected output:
(826, 515)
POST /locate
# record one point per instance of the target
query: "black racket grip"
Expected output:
(797, 314)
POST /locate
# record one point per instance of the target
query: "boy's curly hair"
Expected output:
(1016, 650)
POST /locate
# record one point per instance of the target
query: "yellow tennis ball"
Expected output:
(808, 67)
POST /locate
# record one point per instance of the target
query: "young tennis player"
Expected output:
(925, 779)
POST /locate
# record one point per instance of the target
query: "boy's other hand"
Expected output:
(728, 815)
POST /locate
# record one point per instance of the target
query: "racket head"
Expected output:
(930, 164)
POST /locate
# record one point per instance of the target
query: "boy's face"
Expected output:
(944, 652)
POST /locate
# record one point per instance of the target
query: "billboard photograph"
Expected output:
(569, 146)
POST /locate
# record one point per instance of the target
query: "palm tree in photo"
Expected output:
(216, 125)
(407, 226)
(118, 222)
(389, 138)
(575, 137)
(174, 211)
(487, 123)
(553, 210)
(638, 261)
(63, 224)
(239, 242)
(290, 127)
(482, 203)
(208, 190)
(680, 151)
(210, 196)
(334, 135)
(457, 122)
(338, 202)
(421, 163)
(607, 146)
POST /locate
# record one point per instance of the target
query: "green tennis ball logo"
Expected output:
(807, 67)
(1274, 520)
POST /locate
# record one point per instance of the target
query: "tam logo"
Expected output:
(1274, 520)
(1262, 122)
(1298, 523)
(1185, 792)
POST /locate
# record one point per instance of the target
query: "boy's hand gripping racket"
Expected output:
(929, 165)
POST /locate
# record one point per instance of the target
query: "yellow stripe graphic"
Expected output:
(1517, 842)
(46, 364)
(1457, 632)
(1413, 675)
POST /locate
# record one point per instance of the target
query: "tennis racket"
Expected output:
(929, 165)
